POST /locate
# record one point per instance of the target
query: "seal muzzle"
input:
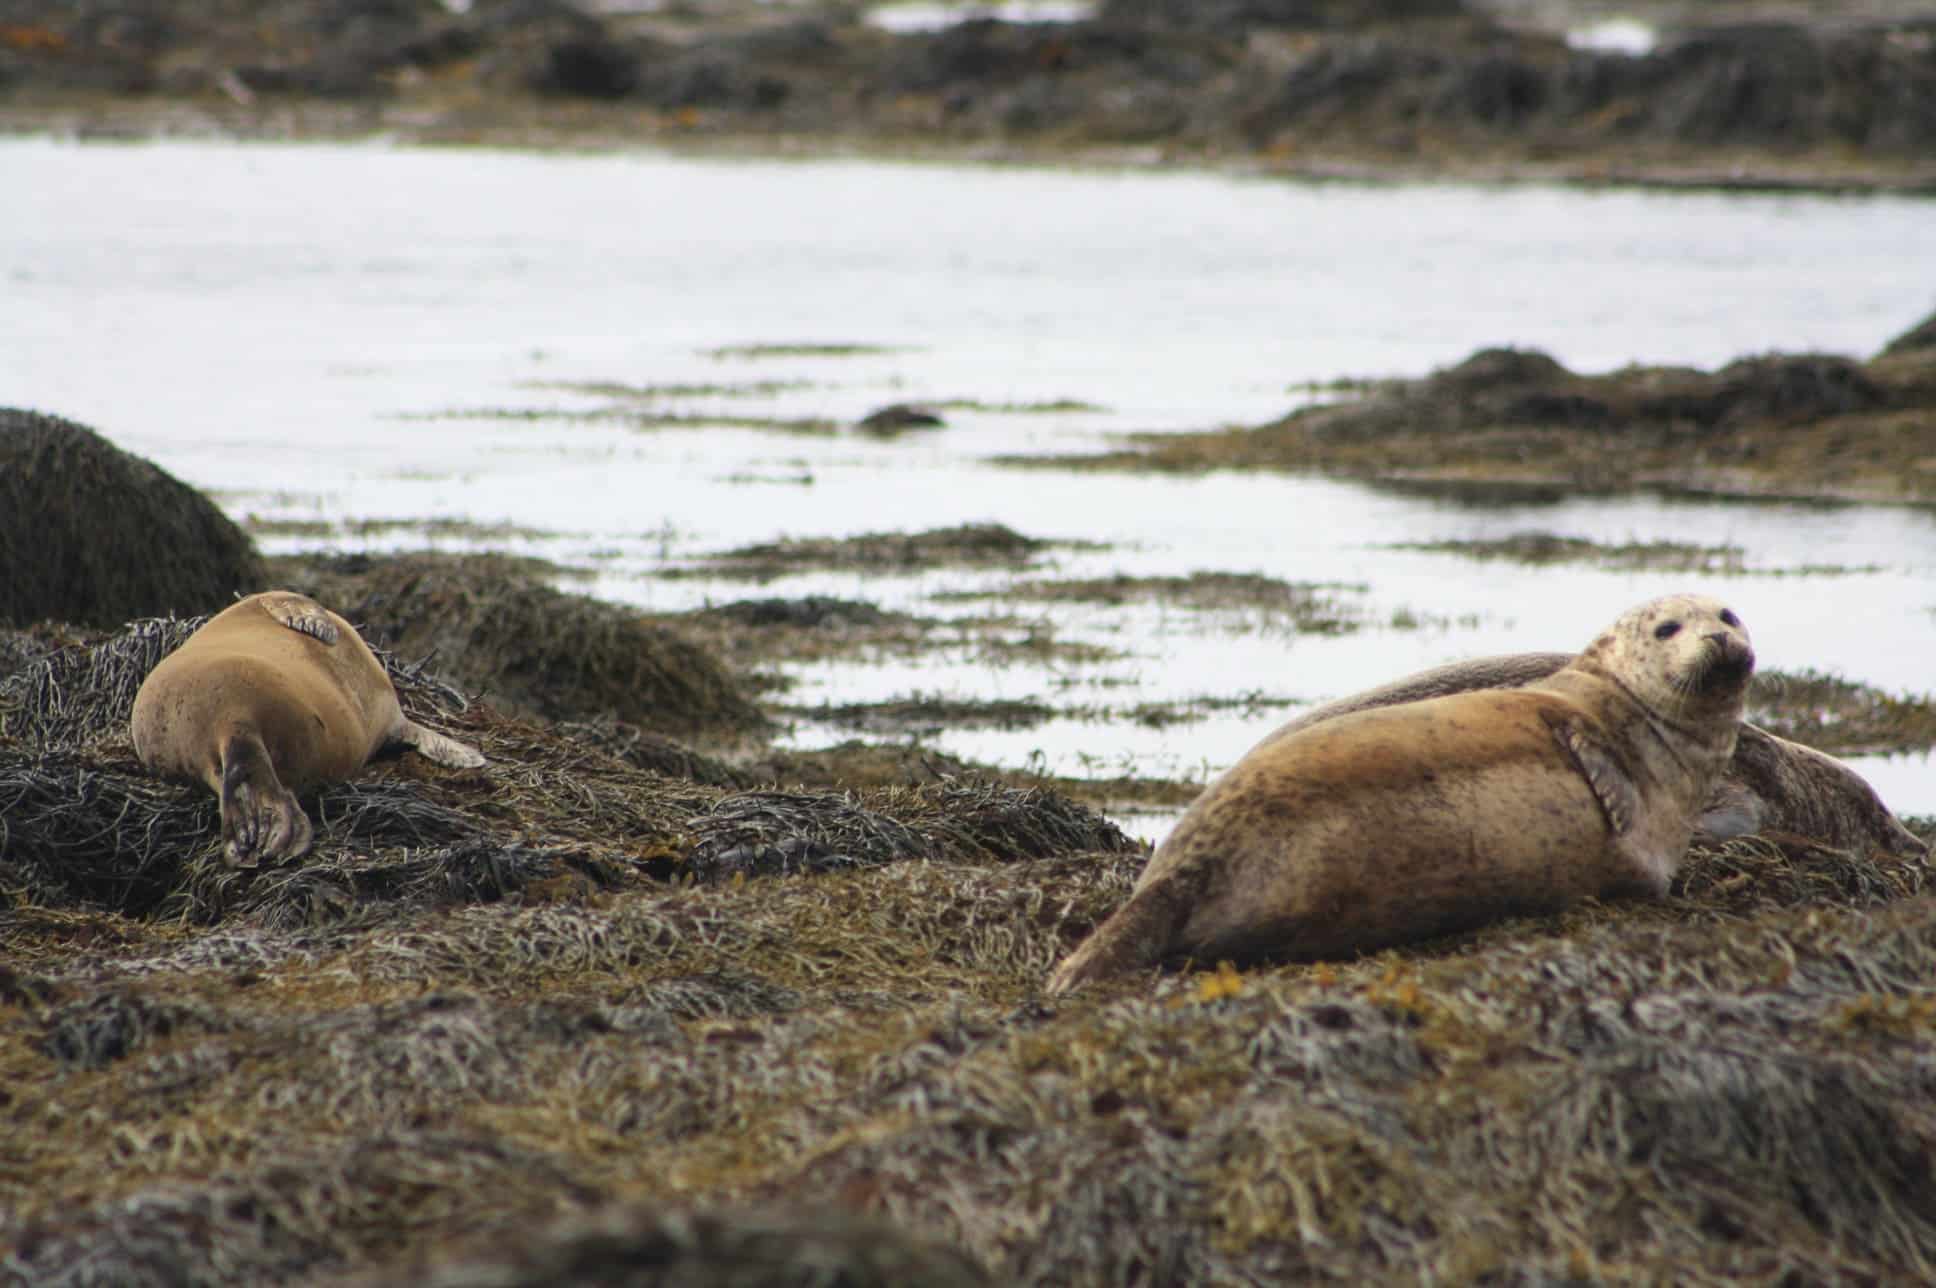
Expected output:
(1726, 664)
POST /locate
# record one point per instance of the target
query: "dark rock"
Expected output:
(1502, 367)
(589, 66)
(984, 54)
(1238, 16)
(93, 535)
(713, 79)
(1731, 83)
(897, 417)
(1792, 389)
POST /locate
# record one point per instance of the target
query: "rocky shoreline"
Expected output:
(649, 999)
(646, 1000)
(1402, 88)
(1509, 422)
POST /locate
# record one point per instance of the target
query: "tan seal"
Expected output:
(1771, 787)
(1394, 823)
(273, 695)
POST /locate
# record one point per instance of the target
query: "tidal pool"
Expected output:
(624, 361)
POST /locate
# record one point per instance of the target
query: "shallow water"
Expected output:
(313, 331)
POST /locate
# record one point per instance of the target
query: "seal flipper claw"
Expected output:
(1619, 798)
(302, 616)
(261, 819)
(438, 747)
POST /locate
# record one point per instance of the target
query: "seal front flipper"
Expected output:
(1619, 798)
(261, 818)
(438, 747)
(302, 615)
(1653, 859)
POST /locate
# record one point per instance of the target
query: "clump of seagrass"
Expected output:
(643, 749)
(94, 1032)
(301, 1209)
(969, 545)
(633, 1246)
(768, 833)
(84, 694)
(1690, 1088)
(76, 832)
(974, 818)
(773, 833)
(20, 648)
(93, 535)
(1789, 871)
(495, 627)
(73, 830)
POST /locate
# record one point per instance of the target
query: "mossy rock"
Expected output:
(93, 535)
(495, 627)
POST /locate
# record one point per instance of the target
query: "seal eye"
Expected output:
(1667, 630)
(1728, 618)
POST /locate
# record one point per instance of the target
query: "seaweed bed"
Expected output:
(1819, 426)
(580, 1014)
(1738, 92)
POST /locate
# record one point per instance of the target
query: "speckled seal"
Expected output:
(1772, 787)
(273, 695)
(1393, 823)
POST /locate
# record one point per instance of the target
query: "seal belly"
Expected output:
(1398, 860)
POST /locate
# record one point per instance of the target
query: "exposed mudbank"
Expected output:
(1782, 425)
(1420, 86)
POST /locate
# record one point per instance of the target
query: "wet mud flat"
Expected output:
(1729, 95)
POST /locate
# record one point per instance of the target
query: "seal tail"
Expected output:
(1136, 936)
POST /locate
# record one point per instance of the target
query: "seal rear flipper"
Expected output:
(1136, 936)
(261, 819)
(1731, 810)
(1612, 786)
(438, 747)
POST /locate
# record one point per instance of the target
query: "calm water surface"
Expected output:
(311, 332)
